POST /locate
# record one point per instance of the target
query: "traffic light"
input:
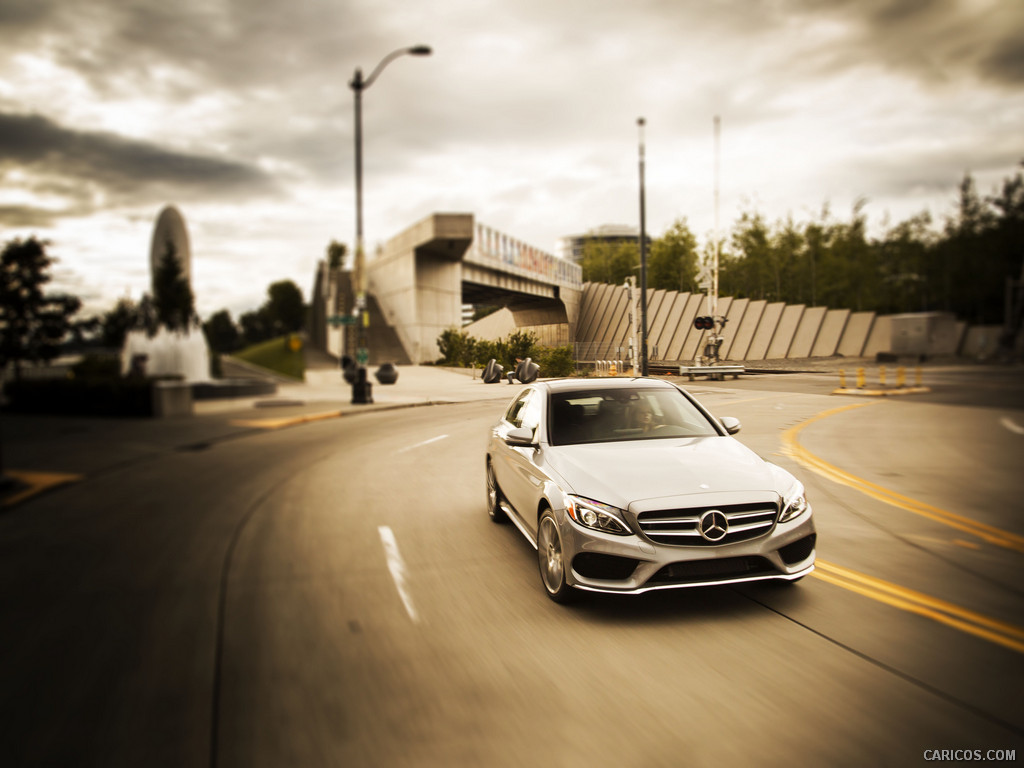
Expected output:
(704, 323)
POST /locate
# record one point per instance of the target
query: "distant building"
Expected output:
(571, 247)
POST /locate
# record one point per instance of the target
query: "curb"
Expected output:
(882, 392)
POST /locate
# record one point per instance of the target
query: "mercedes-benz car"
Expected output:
(630, 485)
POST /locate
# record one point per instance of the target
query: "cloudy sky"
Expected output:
(239, 113)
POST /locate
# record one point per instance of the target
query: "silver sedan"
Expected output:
(629, 485)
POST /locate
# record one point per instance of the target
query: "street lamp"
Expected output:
(358, 85)
(643, 257)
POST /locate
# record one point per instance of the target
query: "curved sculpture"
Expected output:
(170, 230)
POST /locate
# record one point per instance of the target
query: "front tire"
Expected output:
(494, 510)
(551, 560)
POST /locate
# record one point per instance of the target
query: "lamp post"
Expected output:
(358, 85)
(643, 257)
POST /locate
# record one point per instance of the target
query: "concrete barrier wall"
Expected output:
(733, 318)
(784, 333)
(748, 326)
(619, 327)
(666, 332)
(879, 338)
(765, 331)
(807, 332)
(594, 304)
(756, 329)
(611, 309)
(657, 311)
(855, 336)
(831, 332)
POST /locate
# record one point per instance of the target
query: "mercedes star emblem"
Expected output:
(713, 525)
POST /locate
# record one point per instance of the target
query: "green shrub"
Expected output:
(459, 348)
(555, 361)
(97, 367)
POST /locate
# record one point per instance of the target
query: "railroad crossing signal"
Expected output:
(704, 323)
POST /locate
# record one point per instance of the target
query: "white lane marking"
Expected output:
(425, 442)
(397, 567)
(1011, 425)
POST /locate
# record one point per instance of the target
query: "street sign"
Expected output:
(337, 320)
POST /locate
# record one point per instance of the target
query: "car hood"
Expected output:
(624, 473)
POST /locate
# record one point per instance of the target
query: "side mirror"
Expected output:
(520, 437)
(732, 425)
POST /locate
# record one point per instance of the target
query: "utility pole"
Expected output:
(643, 258)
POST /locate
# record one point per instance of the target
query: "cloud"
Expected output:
(84, 167)
(934, 41)
(26, 216)
(240, 112)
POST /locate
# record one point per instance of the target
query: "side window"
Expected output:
(514, 415)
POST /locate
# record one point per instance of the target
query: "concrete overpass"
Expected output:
(421, 278)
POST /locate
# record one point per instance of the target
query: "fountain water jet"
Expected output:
(169, 353)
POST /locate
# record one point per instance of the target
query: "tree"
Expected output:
(606, 261)
(172, 295)
(221, 332)
(32, 324)
(116, 323)
(336, 254)
(903, 257)
(256, 326)
(285, 310)
(746, 270)
(672, 263)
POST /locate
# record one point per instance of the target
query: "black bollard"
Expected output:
(387, 374)
(348, 369)
(362, 389)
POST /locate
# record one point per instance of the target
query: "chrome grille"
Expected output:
(681, 527)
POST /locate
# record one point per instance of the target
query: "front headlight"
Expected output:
(595, 515)
(794, 504)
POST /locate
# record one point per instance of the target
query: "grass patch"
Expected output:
(278, 355)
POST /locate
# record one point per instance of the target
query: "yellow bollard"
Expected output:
(901, 377)
(842, 379)
(881, 376)
(612, 371)
(917, 376)
(860, 378)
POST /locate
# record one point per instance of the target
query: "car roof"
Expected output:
(603, 384)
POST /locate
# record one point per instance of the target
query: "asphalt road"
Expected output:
(335, 594)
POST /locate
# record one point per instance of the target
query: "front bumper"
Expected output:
(600, 562)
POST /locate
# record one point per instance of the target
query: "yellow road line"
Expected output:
(284, 422)
(1000, 632)
(989, 533)
(35, 483)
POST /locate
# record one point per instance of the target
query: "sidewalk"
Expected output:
(42, 452)
(325, 387)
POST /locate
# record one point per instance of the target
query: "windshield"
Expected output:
(596, 416)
